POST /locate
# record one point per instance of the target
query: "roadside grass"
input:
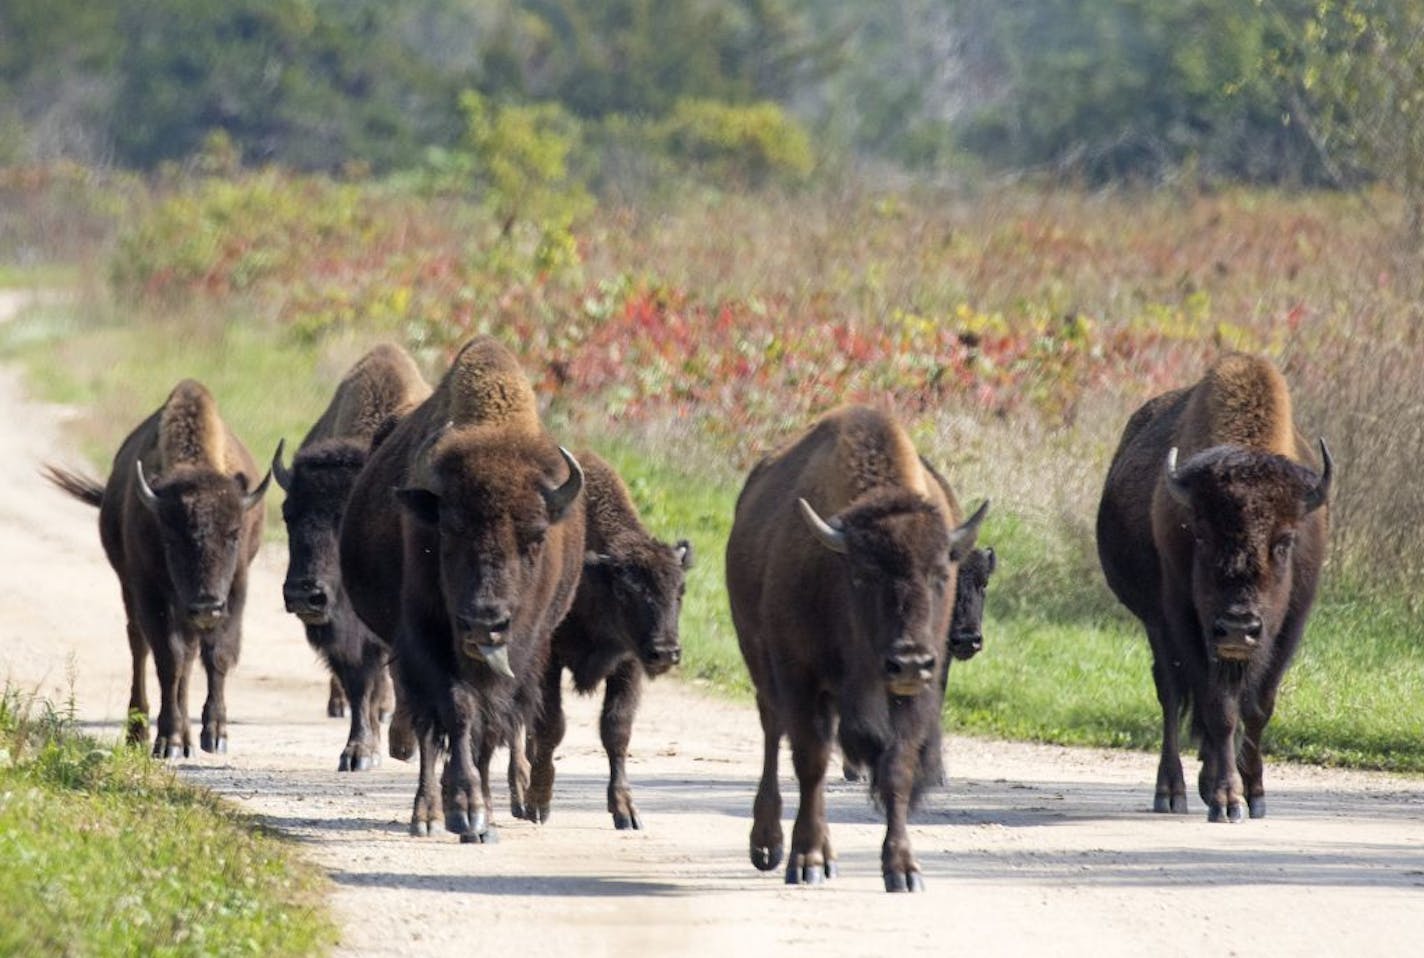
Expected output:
(107, 853)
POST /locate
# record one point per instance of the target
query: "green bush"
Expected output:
(752, 144)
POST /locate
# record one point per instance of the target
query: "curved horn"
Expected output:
(558, 499)
(146, 494)
(1175, 485)
(1316, 497)
(280, 472)
(963, 537)
(829, 536)
(255, 496)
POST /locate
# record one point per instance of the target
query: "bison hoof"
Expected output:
(1232, 813)
(538, 814)
(208, 743)
(806, 875)
(490, 836)
(1257, 806)
(384, 716)
(419, 828)
(624, 822)
(459, 822)
(904, 881)
(357, 763)
(1175, 804)
(765, 859)
(170, 751)
(335, 709)
(853, 773)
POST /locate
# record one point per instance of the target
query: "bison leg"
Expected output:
(488, 744)
(1220, 782)
(621, 692)
(519, 746)
(811, 860)
(549, 729)
(423, 814)
(400, 737)
(897, 779)
(462, 795)
(1171, 794)
(335, 700)
(216, 662)
(385, 696)
(168, 662)
(138, 694)
(768, 844)
(362, 750)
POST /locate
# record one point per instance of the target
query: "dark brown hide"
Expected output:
(623, 625)
(384, 384)
(180, 520)
(461, 547)
(1220, 561)
(841, 568)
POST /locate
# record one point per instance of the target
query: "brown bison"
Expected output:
(843, 619)
(1212, 531)
(461, 547)
(623, 625)
(180, 521)
(384, 383)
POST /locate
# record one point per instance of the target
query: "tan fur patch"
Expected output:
(875, 455)
(487, 385)
(190, 431)
(383, 382)
(1249, 404)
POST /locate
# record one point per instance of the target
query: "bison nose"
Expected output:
(660, 658)
(909, 669)
(1247, 625)
(306, 598)
(965, 645)
(491, 619)
(206, 611)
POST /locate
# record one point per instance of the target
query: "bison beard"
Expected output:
(1220, 559)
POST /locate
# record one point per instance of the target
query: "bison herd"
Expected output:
(449, 560)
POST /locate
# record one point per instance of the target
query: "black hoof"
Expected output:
(832, 870)
(170, 752)
(625, 822)
(538, 814)
(459, 822)
(807, 875)
(345, 764)
(516, 810)
(209, 744)
(335, 711)
(1235, 812)
(765, 859)
(899, 881)
(1257, 806)
(1162, 804)
(852, 773)
(383, 716)
(419, 828)
(487, 837)
(1179, 804)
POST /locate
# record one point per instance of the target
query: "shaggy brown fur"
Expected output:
(844, 627)
(181, 556)
(461, 547)
(1220, 562)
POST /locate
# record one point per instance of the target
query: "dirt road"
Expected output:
(1031, 850)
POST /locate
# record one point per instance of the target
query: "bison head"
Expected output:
(639, 594)
(317, 487)
(200, 515)
(966, 635)
(1245, 508)
(901, 561)
(493, 502)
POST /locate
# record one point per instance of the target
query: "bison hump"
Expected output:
(190, 430)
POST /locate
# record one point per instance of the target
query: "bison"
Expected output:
(841, 569)
(1212, 531)
(384, 383)
(461, 547)
(180, 521)
(623, 625)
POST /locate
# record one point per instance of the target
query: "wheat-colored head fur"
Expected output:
(486, 385)
(190, 431)
(1248, 404)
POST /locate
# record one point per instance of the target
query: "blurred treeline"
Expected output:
(1308, 92)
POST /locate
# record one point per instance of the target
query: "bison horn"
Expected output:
(962, 538)
(1175, 485)
(255, 496)
(829, 536)
(1316, 497)
(280, 472)
(146, 495)
(558, 499)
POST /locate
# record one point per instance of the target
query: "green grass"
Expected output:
(107, 853)
(1062, 662)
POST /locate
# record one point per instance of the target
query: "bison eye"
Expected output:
(1281, 548)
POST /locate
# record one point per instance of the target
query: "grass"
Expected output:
(107, 853)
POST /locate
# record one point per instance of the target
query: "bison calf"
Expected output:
(180, 521)
(1212, 530)
(841, 569)
(622, 626)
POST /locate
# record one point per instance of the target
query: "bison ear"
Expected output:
(423, 504)
(591, 559)
(991, 559)
(683, 551)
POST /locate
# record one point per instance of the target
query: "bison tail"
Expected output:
(83, 488)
